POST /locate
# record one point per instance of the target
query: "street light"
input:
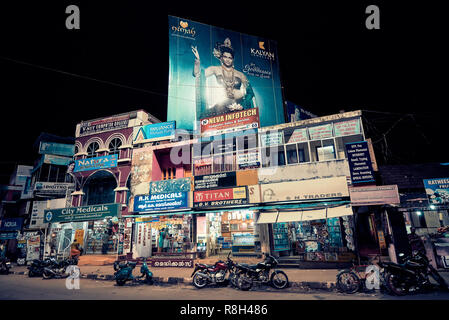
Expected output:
(432, 207)
(418, 213)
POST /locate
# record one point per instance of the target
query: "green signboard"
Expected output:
(75, 214)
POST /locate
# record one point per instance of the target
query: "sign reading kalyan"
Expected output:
(228, 71)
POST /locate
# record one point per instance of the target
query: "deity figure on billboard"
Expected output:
(227, 89)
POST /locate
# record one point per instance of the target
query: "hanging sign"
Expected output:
(359, 161)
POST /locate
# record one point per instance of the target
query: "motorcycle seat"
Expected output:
(132, 264)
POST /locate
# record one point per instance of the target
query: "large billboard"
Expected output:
(437, 190)
(213, 71)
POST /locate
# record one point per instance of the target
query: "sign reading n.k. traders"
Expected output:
(102, 125)
(218, 180)
(103, 162)
(87, 213)
(230, 122)
(220, 197)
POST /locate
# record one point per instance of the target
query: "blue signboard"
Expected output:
(96, 163)
(359, 162)
(9, 235)
(11, 224)
(160, 202)
(437, 190)
(153, 132)
(59, 149)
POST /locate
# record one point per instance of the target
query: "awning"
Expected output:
(340, 211)
(267, 217)
(307, 215)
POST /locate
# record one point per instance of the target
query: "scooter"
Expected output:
(124, 272)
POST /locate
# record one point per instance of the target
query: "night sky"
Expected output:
(53, 78)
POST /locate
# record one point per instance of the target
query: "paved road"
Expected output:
(20, 287)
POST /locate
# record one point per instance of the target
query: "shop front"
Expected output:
(96, 228)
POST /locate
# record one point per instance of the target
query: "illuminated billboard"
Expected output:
(213, 71)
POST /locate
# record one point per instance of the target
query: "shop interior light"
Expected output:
(432, 207)
(418, 213)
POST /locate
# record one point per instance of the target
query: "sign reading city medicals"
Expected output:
(437, 190)
(213, 71)
(359, 161)
(86, 213)
(161, 202)
(154, 132)
(230, 122)
(220, 197)
(95, 163)
(103, 125)
(217, 180)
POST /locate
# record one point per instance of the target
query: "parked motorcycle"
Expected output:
(36, 268)
(264, 272)
(57, 269)
(412, 274)
(5, 265)
(124, 272)
(204, 274)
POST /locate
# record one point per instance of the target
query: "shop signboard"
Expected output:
(57, 160)
(375, 195)
(359, 160)
(52, 188)
(248, 160)
(154, 132)
(201, 48)
(220, 197)
(437, 190)
(171, 262)
(86, 213)
(172, 185)
(298, 135)
(11, 224)
(347, 128)
(161, 202)
(316, 189)
(230, 122)
(37, 214)
(321, 132)
(103, 125)
(95, 163)
(9, 235)
(217, 180)
(268, 139)
(60, 149)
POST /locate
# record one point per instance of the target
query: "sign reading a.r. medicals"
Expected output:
(96, 163)
(359, 162)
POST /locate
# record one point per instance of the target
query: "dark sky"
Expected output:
(329, 61)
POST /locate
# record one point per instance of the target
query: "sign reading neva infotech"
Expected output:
(230, 122)
(154, 132)
(161, 201)
(87, 213)
(437, 190)
(220, 197)
(213, 71)
(103, 162)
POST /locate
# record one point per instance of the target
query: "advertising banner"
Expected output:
(161, 202)
(172, 185)
(248, 160)
(230, 122)
(347, 128)
(316, 189)
(8, 235)
(95, 163)
(52, 187)
(437, 190)
(37, 215)
(299, 135)
(376, 195)
(218, 180)
(154, 132)
(220, 197)
(321, 132)
(57, 160)
(213, 71)
(297, 113)
(11, 224)
(104, 125)
(268, 139)
(60, 149)
(86, 213)
(359, 161)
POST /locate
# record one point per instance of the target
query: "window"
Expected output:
(91, 149)
(168, 173)
(326, 151)
(114, 146)
(303, 152)
(292, 155)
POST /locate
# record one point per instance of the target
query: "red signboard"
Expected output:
(230, 122)
(220, 197)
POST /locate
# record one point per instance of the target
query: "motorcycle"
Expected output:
(264, 272)
(411, 275)
(57, 269)
(204, 274)
(124, 272)
(36, 268)
(5, 265)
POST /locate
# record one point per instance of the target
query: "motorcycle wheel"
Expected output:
(199, 282)
(120, 282)
(47, 275)
(348, 282)
(244, 283)
(438, 278)
(279, 279)
(233, 279)
(149, 280)
(396, 285)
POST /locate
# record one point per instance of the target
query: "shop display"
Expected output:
(280, 237)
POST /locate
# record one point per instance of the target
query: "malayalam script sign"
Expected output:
(359, 162)
(161, 201)
(86, 213)
(220, 197)
(95, 163)
(225, 179)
